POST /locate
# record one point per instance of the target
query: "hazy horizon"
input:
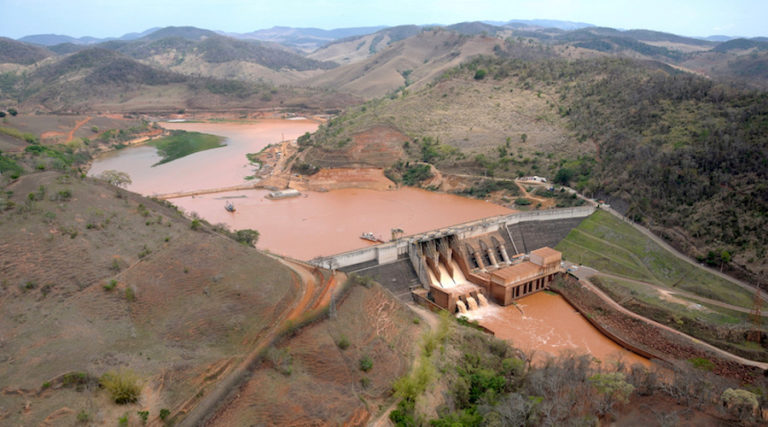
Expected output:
(101, 19)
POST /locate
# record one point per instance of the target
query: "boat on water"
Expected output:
(369, 236)
(229, 207)
(283, 194)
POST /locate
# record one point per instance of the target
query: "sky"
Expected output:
(110, 18)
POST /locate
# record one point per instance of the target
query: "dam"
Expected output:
(463, 267)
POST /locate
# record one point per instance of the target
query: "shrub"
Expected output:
(144, 252)
(164, 413)
(74, 379)
(366, 363)
(123, 386)
(480, 74)
(522, 201)
(82, 416)
(741, 403)
(196, 224)
(365, 382)
(143, 415)
(702, 363)
(281, 360)
(65, 195)
(247, 237)
(130, 294)
(110, 285)
(343, 343)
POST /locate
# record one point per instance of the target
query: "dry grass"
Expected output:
(67, 322)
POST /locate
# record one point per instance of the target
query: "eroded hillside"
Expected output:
(97, 279)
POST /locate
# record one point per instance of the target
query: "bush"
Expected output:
(247, 237)
(281, 360)
(366, 364)
(130, 295)
(343, 343)
(196, 224)
(143, 415)
(164, 413)
(702, 363)
(110, 285)
(123, 386)
(82, 416)
(522, 201)
(480, 74)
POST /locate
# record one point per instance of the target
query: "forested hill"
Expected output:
(684, 155)
(687, 156)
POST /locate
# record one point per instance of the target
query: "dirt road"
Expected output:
(198, 412)
(722, 353)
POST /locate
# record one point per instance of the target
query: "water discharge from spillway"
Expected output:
(458, 276)
(483, 301)
(472, 303)
(446, 281)
(462, 307)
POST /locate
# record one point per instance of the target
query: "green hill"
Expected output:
(685, 155)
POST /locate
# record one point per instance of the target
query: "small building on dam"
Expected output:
(463, 274)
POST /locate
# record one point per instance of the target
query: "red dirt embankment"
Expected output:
(319, 381)
(378, 147)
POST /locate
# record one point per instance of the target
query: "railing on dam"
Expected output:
(389, 252)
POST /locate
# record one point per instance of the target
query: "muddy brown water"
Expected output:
(317, 224)
(314, 224)
(218, 167)
(547, 323)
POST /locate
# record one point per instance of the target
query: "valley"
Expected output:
(407, 225)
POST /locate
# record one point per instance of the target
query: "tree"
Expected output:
(2, 114)
(116, 178)
(12, 111)
(613, 387)
(524, 137)
(304, 140)
(480, 74)
(725, 258)
(741, 403)
(564, 176)
(247, 236)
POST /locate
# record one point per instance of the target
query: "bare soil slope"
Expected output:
(317, 382)
(184, 307)
(426, 55)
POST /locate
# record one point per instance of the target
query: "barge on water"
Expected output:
(283, 194)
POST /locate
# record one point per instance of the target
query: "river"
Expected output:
(314, 224)
(545, 322)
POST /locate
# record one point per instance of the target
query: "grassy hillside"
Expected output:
(98, 79)
(217, 49)
(649, 280)
(97, 280)
(415, 60)
(14, 52)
